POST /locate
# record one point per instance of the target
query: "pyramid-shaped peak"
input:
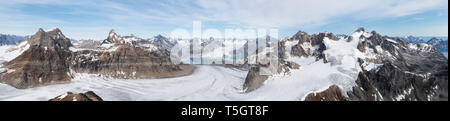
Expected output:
(54, 29)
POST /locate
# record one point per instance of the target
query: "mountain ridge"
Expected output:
(51, 58)
(363, 66)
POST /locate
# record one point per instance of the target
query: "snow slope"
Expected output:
(206, 83)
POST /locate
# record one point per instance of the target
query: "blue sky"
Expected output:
(92, 19)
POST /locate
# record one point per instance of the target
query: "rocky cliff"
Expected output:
(45, 62)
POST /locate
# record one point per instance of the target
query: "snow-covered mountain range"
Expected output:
(363, 66)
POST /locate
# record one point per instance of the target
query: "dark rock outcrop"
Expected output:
(333, 93)
(69, 96)
(408, 73)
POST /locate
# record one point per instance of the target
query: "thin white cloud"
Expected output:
(244, 13)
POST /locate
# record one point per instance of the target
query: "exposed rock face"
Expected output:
(45, 62)
(255, 80)
(128, 57)
(69, 96)
(163, 41)
(50, 39)
(333, 93)
(113, 38)
(440, 44)
(11, 39)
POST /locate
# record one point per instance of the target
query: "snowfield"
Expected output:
(207, 83)
(215, 83)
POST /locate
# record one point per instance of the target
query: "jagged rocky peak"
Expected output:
(52, 39)
(361, 29)
(114, 38)
(165, 42)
